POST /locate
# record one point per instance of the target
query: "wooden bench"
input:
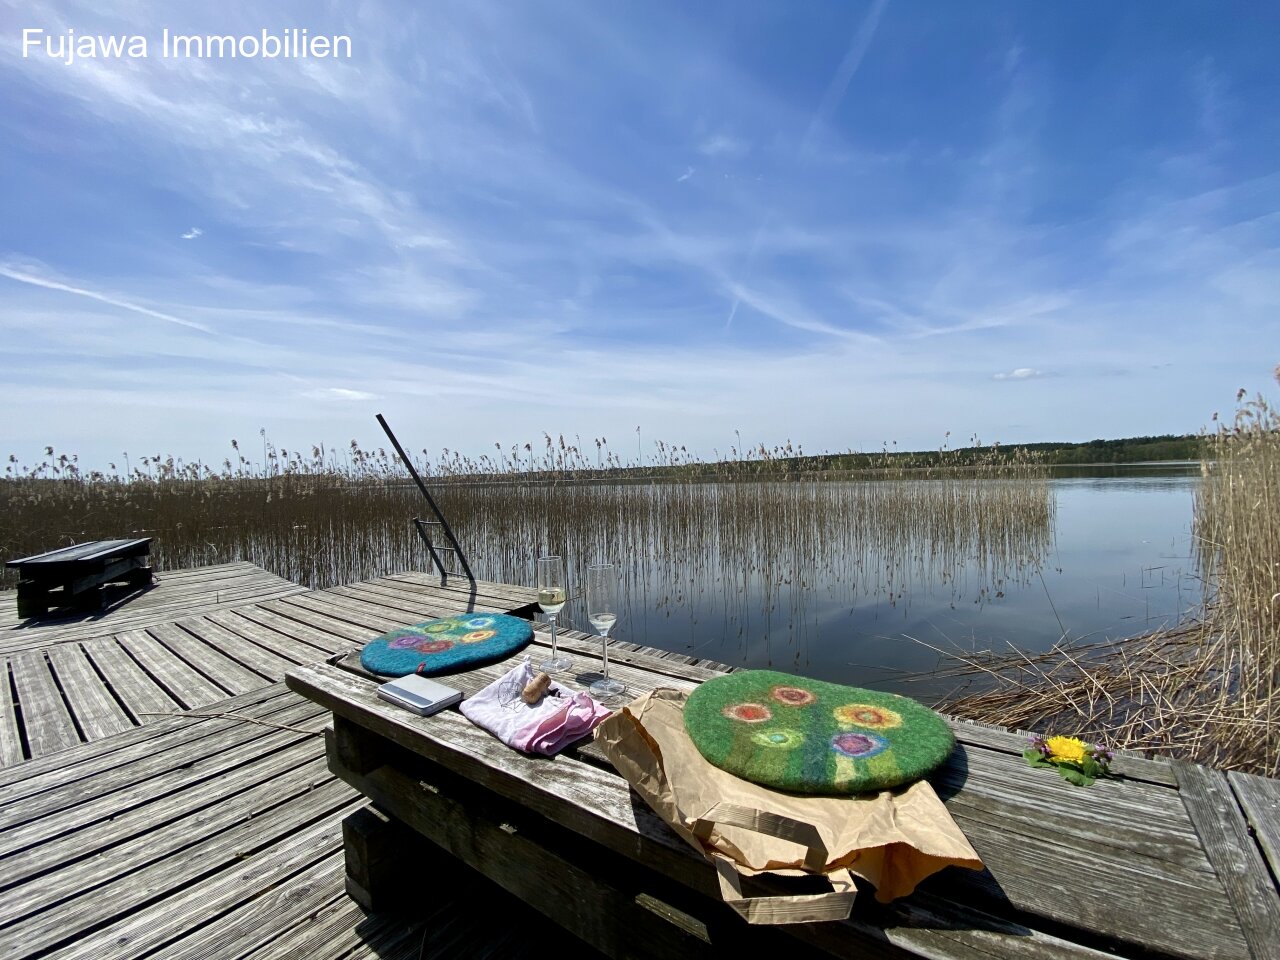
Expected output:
(74, 576)
(1161, 864)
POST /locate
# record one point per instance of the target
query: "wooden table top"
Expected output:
(95, 551)
(1159, 863)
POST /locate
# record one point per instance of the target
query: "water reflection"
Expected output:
(830, 579)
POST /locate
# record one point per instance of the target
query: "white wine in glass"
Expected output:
(552, 594)
(602, 611)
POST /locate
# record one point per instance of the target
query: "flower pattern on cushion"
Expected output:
(792, 696)
(866, 715)
(748, 712)
(858, 745)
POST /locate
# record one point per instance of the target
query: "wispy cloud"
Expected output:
(1021, 373)
(341, 394)
(840, 80)
(723, 145)
(192, 233)
(688, 172)
(24, 275)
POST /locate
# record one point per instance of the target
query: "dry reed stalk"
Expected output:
(1208, 691)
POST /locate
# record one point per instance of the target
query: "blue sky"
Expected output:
(841, 224)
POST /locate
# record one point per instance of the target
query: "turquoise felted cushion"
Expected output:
(810, 736)
(446, 645)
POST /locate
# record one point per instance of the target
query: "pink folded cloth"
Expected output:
(554, 722)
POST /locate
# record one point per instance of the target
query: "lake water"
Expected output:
(1115, 561)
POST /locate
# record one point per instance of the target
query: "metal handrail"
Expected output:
(420, 524)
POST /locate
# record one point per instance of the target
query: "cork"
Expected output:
(536, 687)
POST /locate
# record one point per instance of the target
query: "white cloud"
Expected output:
(339, 394)
(192, 233)
(1022, 373)
(688, 172)
(722, 145)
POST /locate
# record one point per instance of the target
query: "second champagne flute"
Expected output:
(552, 594)
(602, 611)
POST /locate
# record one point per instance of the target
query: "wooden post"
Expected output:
(383, 859)
(353, 750)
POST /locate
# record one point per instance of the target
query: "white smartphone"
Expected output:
(419, 694)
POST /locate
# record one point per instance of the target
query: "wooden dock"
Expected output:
(164, 794)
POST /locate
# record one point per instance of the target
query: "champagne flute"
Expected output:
(602, 611)
(551, 597)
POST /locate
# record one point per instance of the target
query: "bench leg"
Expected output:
(90, 599)
(140, 577)
(383, 859)
(33, 605)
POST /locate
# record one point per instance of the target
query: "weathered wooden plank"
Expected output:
(71, 864)
(176, 594)
(138, 691)
(585, 645)
(406, 602)
(511, 594)
(1239, 864)
(1260, 800)
(209, 570)
(262, 660)
(229, 576)
(139, 755)
(1113, 897)
(230, 865)
(420, 604)
(60, 811)
(1126, 764)
(597, 803)
(713, 667)
(288, 638)
(329, 930)
(10, 737)
(95, 709)
(45, 718)
(1004, 779)
(20, 780)
(359, 614)
(229, 674)
(265, 919)
(1002, 808)
(181, 682)
(130, 603)
(321, 619)
(136, 617)
(140, 831)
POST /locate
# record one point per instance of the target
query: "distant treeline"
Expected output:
(1126, 450)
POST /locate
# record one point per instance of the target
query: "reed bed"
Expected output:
(1208, 691)
(754, 538)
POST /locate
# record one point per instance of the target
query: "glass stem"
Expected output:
(604, 647)
(552, 618)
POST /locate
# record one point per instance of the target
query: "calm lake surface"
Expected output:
(1114, 561)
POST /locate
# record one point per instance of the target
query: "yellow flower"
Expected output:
(1066, 749)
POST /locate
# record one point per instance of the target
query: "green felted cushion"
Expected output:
(446, 645)
(810, 736)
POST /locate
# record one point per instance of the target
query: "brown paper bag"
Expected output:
(892, 839)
